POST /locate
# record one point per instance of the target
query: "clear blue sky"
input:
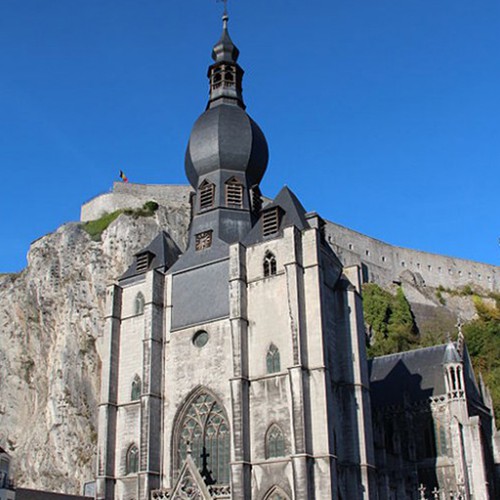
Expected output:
(383, 116)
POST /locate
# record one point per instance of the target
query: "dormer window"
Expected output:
(234, 193)
(142, 262)
(270, 221)
(207, 195)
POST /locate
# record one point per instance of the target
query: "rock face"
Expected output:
(50, 317)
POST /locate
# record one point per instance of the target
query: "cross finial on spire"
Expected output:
(225, 8)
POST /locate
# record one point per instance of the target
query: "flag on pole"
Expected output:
(123, 177)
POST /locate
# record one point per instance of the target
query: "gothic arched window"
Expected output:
(276, 493)
(136, 388)
(203, 429)
(275, 442)
(234, 193)
(273, 359)
(207, 195)
(132, 465)
(139, 303)
(269, 264)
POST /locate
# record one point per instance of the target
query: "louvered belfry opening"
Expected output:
(207, 195)
(270, 222)
(142, 263)
(234, 193)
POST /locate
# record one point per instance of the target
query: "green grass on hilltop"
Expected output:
(96, 227)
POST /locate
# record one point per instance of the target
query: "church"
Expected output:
(237, 369)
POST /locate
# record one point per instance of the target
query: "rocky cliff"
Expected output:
(50, 317)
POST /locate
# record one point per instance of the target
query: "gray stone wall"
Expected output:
(127, 195)
(383, 263)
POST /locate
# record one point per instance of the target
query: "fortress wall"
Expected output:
(128, 195)
(383, 263)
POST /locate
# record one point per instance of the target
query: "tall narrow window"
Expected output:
(139, 303)
(136, 388)
(269, 264)
(234, 193)
(203, 428)
(132, 465)
(275, 442)
(441, 440)
(270, 221)
(207, 195)
(273, 359)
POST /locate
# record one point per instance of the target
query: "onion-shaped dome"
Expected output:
(226, 138)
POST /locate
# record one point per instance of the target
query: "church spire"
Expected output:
(225, 74)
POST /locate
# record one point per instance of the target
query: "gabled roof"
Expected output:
(416, 375)
(293, 214)
(163, 253)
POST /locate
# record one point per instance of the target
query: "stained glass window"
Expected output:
(200, 338)
(269, 264)
(132, 459)
(139, 303)
(276, 493)
(273, 359)
(136, 388)
(204, 430)
(275, 442)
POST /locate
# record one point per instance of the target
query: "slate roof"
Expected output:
(418, 374)
(164, 253)
(294, 214)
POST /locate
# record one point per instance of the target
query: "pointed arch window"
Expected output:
(135, 393)
(234, 193)
(139, 303)
(276, 493)
(132, 465)
(275, 442)
(441, 438)
(203, 428)
(269, 264)
(273, 359)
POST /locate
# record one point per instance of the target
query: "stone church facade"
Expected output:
(237, 369)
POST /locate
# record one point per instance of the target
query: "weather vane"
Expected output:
(225, 5)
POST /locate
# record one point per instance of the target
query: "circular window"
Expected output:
(200, 338)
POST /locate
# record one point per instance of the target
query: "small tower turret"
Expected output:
(454, 376)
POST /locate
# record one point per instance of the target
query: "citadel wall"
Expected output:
(380, 262)
(383, 263)
(130, 195)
